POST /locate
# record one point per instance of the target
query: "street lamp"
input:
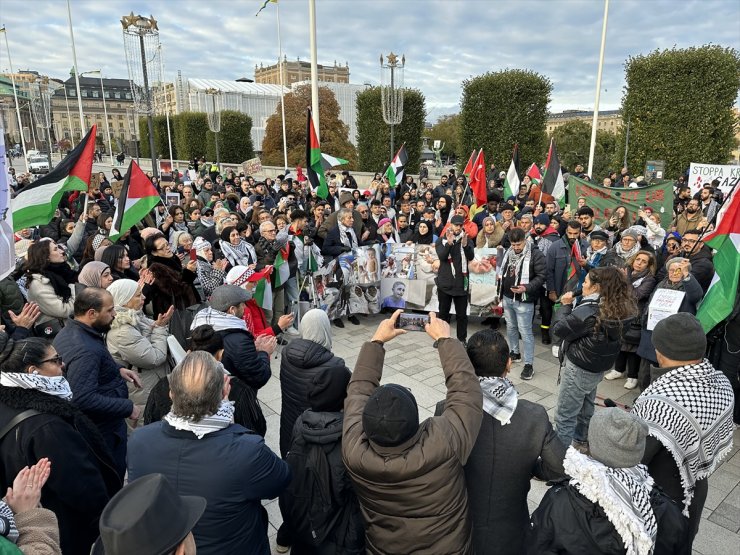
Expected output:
(391, 91)
(105, 108)
(141, 44)
(15, 95)
(214, 118)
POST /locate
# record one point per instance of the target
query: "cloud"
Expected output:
(445, 41)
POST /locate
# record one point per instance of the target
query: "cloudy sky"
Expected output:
(444, 42)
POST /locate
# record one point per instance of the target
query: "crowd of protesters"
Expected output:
(138, 360)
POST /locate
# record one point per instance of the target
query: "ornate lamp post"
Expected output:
(391, 92)
(141, 44)
(213, 111)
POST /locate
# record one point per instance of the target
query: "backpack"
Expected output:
(312, 507)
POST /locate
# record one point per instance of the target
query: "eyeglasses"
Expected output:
(55, 360)
(269, 230)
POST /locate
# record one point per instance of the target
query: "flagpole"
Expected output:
(166, 108)
(282, 86)
(595, 120)
(77, 75)
(15, 96)
(314, 68)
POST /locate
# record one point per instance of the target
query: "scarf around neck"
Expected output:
(518, 264)
(223, 418)
(499, 398)
(623, 494)
(242, 254)
(591, 255)
(689, 410)
(457, 241)
(60, 275)
(58, 386)
(623, 254)
(350, 241)
(220, 321)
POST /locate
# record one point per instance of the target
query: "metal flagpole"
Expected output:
(105, 113)
(594, 123)
(282, 87)
(15, 96)
(83, 131)
(69, 118)
(314, 67)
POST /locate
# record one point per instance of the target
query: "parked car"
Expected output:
(38, 164)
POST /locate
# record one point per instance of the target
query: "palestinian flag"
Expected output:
(534, 173)
(469, 166)
(36, 203)
(263, 289)
(328, 161)
(478, 180)
(725, 239)
(394, 173)
(552, 182)
(281, 265)
(138, 197)
(314, 167)
(575, 256)
(511, 185)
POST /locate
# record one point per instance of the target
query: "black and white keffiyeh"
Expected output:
(689, 410)
(350, 241)
(499, 398)
(219, 320)
(224, 417)
(623, 494)
(58, 386)
(242, 254)
(8, 529)
(457, 241)
(517, 265)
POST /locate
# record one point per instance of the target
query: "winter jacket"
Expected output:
(348, 535)
(232, 468)
(685, 221)
(83, 478)
(333, 245)
(558, 264)
(470, 228)
(11, 298)
(567, 523)
(330, 222)
(40, 291)
(413, 495)
(242, 359)
(546, 239)
(301, 360)
(97, 385)
(499, 471)
(588, 348)
(134, 341)
(456, 285)
(38, 532)
(537, 276)
(702, 267)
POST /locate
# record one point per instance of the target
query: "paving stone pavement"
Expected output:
(412, 361)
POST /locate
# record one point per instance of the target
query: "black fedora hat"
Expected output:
(147, 517)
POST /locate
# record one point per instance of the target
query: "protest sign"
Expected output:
(116, 186)
(664, 303)
(165, 170)
(604, 200)
(252, 166)
(7, 240)
(172, 199)
(702, 174)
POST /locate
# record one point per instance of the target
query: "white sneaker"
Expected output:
(613, 375)
(631, 383)
(292, 332)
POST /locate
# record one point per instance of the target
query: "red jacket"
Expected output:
(471, 228)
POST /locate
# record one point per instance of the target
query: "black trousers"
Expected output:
(629, 362)
(546, 306)
(461, 311)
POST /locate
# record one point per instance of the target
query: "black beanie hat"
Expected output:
(391, 415)
(692, 341)
(328, 388)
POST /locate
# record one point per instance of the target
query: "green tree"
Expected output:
(679, 104)
(190, 134)
(447, 130)
(500, 109)
(573, 141)
(234, 139)
(334, 133)
(374, 135)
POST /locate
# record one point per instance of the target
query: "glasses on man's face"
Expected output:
(54, 360)
(271, 230)
(688, 241)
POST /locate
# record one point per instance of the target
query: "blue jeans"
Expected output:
(518, 317)
(575, 402)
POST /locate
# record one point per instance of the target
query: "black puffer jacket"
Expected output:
(301, 361)
(568, 523)
(590, 349)
(453, 285)
(82, 478)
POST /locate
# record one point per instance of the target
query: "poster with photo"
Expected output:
(172, 199)
(367, 265)
(483, 284)
(403, 293)
(397, 260)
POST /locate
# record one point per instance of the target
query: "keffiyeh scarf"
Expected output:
(58, 386)
(219, 320)
(223, 418)
(623, 494)
(689, 410)
(463, 261)
(499, 398)
(623, 254)
(518, 265)
(242, 254)
(350, 241)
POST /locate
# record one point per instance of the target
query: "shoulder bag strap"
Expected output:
(20, 417)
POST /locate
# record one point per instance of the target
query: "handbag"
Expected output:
(49, 329)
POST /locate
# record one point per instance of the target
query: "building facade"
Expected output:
(9, 116)
(608, 120)
(297, 71)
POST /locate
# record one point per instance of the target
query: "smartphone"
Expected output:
(193, 256)
(180, 250)
(412, 322)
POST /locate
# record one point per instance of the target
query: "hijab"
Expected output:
(123, 290)
(92, 272)
(315, 326)
(424, 238)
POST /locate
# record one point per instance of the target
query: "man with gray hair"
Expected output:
(203, 453)
(341, 239)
